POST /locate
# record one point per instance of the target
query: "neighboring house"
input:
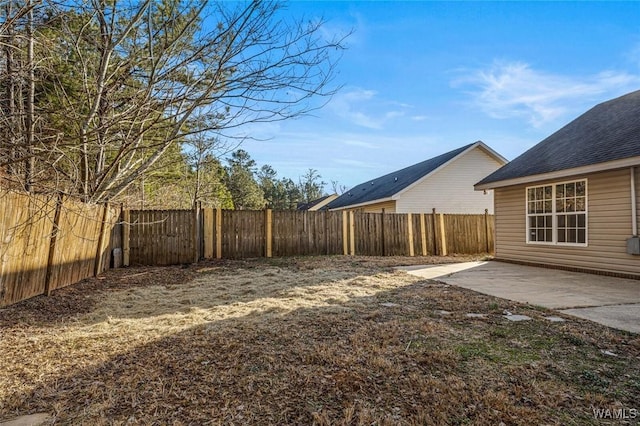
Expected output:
(444, 182)
(572, 200)
(318, 203)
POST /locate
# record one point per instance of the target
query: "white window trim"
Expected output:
(554, 215)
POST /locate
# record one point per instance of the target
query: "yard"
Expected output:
(324, 340)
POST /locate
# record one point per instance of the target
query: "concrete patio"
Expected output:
(614, 302)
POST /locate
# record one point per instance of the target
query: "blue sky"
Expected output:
(422, 78)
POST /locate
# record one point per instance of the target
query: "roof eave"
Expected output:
(558, 174)
(323, 203)
(366, 203)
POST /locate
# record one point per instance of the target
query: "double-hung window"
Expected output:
(557, 213)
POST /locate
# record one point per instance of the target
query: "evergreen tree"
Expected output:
(245, 191)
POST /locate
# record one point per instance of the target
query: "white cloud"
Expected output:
(364, 108)
(514, 89)
(359, 143)
(349, 104)
(394, 114)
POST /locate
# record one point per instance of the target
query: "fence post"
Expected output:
(101, 238)
(410, 234)
(325, 216)
(126, 236)
(52, 244)
(218, 233)
(352, 234)
(345, 234)
(435, 232)
(207, 218)
(196, 233)
(383, 236)
(486, 229)
(423, 235)
(269, 232)
(443, 237)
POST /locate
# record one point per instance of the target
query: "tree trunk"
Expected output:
(30, 112)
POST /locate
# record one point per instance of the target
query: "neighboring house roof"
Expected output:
(318, 203)
(385, 187)
(607, 136)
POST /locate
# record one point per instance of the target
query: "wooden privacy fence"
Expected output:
(50, 242)
(165, 237)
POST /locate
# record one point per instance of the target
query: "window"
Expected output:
(557, 213)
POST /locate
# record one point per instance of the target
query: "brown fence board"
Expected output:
(74, 257)
(47, 242)
(25, 227)
(161, 237)
(368, 233)
(465, 233)
(242, 234)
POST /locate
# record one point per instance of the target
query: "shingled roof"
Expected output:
(607, 132)
(386, 186)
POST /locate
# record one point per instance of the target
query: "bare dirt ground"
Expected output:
(318, 340)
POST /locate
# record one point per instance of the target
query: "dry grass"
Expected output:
(332, 340)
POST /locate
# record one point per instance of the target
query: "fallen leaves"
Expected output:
(334, 340)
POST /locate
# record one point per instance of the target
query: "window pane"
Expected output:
(581, 188)
(532, 222)
(571, 236)
(548, 192)
(531, 194)
(571, 205)
(539, 193)
(532, 235)
(548, 206)
(582, 220)
(549, 235)
(572, 220)
(561, 236)
(539, 207)
(580, 204)
(561, 221)
(571, 190)
(582, 236)
(540, 235)
(560, 191)
(560, 206)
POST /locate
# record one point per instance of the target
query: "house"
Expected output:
(318, 203)
(444, 182)
(571, 201)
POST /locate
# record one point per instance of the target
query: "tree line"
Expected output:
(138, 100)
(234, 183)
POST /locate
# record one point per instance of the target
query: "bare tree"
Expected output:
(17, 118)
(337, 188)
(150, 74)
